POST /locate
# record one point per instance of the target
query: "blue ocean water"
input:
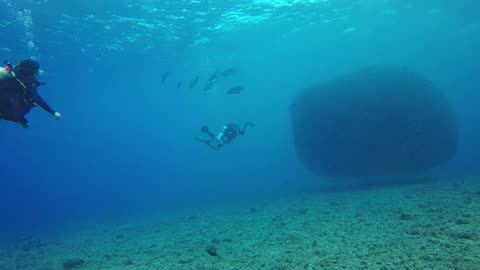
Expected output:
(125, 144)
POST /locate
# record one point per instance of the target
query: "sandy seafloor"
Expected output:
(423, 226)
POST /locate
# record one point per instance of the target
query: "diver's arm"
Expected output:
(242, 132)
(32, 92)
(40, 102)
(208, 142)
(23, 122)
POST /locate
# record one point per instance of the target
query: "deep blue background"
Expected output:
(126, 145)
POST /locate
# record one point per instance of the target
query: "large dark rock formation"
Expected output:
(374, 122)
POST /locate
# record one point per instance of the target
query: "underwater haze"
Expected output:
(125, 146)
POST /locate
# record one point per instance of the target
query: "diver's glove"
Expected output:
(58, 115)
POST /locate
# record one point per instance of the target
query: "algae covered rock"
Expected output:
(373, 122)
(73, 263)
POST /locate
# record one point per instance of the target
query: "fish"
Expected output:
(193, 82)
(165, 76)
(214, 76)
(235, 90)
(229, 72)
(209, 85)
(179, 84)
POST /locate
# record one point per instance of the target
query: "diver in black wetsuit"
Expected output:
(18, 93)
(227, 135)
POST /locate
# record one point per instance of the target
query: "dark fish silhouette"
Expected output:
(229, 72)
(164, 76)
(179, 84)
(235, 90)
(214, 76)
(193, 82)
(209, 85)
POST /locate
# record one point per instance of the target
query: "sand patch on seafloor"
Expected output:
(427, 226)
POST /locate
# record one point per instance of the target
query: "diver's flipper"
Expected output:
(204, 129)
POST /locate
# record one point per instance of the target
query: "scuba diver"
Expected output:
(18, 92)
(228, 133)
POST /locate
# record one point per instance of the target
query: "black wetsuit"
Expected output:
(231, 132)
(16, 100)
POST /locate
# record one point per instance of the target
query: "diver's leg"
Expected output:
(15, 118)
(205, 130)
(200, 140)
(211, 135)
(209, 143)
(24, 125)
(23, 122)
(215, 147)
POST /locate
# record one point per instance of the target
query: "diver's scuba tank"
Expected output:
(6, 71)
(221, 136)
